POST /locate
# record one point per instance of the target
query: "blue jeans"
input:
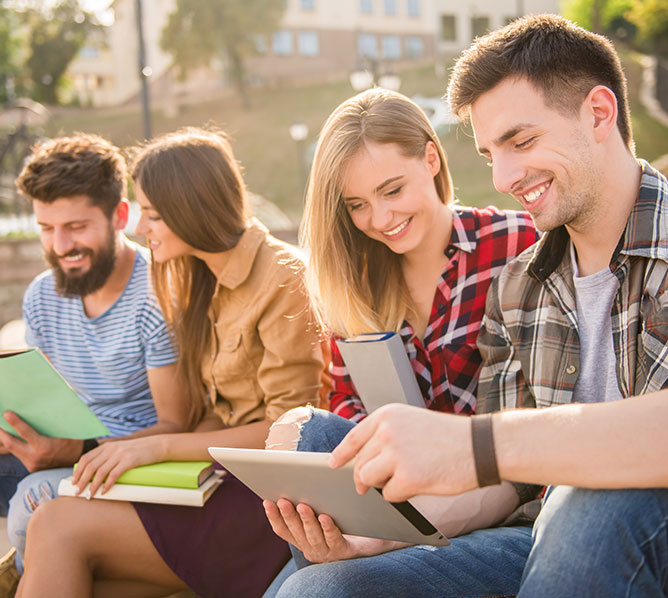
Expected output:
(12, 471)
(599, 543)
(587, 544)
(34, 490)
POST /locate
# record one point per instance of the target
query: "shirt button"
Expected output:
(570, 369)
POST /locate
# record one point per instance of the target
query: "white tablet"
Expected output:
(303, 477)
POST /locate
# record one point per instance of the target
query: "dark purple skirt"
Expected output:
(224, 549)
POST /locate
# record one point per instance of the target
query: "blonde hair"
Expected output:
(355, 283)
(194, 183)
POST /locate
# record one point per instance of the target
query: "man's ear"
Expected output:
(121, 215)
(601, 105)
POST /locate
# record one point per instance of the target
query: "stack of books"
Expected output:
(189, 483)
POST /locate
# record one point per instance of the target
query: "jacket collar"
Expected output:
(645, 234)
(242, 255)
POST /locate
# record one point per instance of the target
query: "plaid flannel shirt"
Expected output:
(447, 362)
(529, 337)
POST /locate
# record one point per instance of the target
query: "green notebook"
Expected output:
(170, 474)
(32, 388)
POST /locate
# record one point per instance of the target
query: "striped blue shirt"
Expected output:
(104, 358)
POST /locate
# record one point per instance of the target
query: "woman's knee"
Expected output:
(316, 581)
(307, 429)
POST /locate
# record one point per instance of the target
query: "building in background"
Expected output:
(317, 40)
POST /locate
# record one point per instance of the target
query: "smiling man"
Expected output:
(93, 314)
(580, 317)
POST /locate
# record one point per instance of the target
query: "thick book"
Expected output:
(33, 389)
(380, 370)
(192, 497)
(174, 474)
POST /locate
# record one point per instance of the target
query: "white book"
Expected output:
(380, 370)
(194, 497)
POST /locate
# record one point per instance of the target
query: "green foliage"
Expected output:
(55, 37)
(651, 19)
(198, 32)
(603, 16)
(10, 47)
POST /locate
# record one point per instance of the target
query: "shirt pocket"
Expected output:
(231, 359)
(653, 340)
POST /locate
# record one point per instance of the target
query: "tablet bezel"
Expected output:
(304, 477)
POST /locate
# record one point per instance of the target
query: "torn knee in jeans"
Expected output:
(285, 433)
(35, 497)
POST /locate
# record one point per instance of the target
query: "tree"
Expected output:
(56, 36)
(10, 46)
(600, 16)
(651, 19)
(198, 32)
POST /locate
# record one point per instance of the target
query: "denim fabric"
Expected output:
(34, 490)
(599, 544)
(484, 563)
(586, 543)
(289, 569)
(12, 471)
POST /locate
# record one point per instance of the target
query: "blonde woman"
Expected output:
(234, 298)
(380, 216)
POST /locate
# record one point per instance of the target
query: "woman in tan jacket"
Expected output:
(234, 299)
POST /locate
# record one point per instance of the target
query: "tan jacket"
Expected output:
(265, 357)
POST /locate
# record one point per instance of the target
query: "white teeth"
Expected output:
(73, 258)
(534, 195)
(397, 229)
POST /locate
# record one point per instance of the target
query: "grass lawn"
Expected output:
(270, 157)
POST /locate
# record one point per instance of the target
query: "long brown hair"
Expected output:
(355, 282)
(194, 183)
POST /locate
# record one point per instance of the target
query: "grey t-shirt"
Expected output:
(594, 296)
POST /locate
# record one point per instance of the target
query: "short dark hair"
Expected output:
(559, 58)
(79, 165)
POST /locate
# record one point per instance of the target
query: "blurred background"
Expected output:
(268, 72)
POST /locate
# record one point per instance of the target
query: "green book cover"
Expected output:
(172, 474)
(32, 388)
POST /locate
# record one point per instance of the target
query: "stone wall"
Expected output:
(20, 261)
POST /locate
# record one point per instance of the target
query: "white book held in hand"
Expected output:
(380, 370)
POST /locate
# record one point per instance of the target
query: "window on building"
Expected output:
(390, 7)
(282, 42)
(307, 4)
(367, 45)
(479, 26)
(391, 46)
(261, 44)
(414, 47)
(366, 7)
(413, 8)
(308, 43)
(449, 28)
(89, 52)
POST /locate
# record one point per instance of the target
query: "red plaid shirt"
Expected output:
(447, 362)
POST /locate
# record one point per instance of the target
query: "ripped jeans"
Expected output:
(32, 491)
(585, 543)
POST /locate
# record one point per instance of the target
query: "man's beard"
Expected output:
(73, 284)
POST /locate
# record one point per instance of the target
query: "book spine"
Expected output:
(150, 494)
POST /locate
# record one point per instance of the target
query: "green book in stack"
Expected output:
(189, 483)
